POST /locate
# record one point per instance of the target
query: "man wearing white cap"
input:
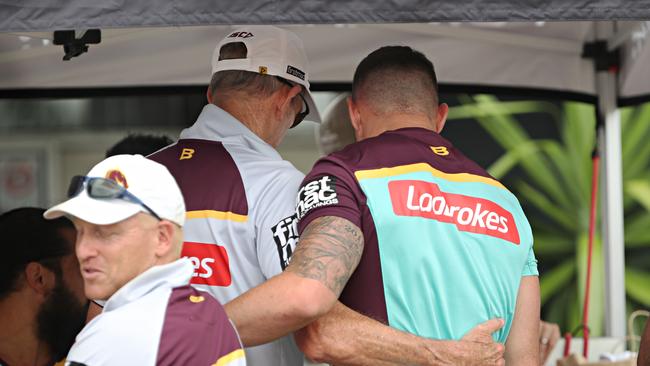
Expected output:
(238, 190)
(129, 214)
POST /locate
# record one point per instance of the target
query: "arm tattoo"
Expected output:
(329, 250)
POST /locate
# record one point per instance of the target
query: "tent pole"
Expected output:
(612, 195)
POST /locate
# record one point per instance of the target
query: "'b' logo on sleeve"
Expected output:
(440, 150)
(186, 154)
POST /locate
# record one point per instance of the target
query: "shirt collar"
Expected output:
(174, 274)
(216, 124)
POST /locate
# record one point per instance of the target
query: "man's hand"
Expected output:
(482, 333)
(345, 337)
(549, 334)
(478, 347)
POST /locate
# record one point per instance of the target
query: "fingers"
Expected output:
(487, 354)
(549, 334)
(483, 332)
(492, 325)
(495, 354)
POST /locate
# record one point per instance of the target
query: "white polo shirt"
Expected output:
(158, 319)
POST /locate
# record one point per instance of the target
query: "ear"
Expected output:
(165, 238)
(208, 95)
(355, 119)
(284, 99)
(441, 117)
(40, 279)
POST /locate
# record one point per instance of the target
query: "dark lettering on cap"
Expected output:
(295, 72)
(240, 35)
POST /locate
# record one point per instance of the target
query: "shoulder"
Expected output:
(266, 175)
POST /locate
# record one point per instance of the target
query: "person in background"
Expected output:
(42, 302)
(129, 214)
(549, 334)
(141, 144)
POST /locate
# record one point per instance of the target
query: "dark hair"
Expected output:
(139, 144)
(28, 237)
(227, 81)
(392, 67)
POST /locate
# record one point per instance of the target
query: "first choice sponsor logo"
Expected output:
(471, 214)
(285, 234)
(295, 72)
(317, 193)
(211, 264)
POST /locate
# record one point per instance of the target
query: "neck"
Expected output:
(253, 116)
(19, 345)
(379, 124)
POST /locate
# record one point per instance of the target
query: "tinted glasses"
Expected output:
(302, 114)
(104, 189)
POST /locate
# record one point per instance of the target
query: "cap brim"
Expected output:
(313, 115)
(94, 211)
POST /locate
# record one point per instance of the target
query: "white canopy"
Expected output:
(541, 55)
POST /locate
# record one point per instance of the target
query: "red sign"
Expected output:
(471, 214)
(211, 266)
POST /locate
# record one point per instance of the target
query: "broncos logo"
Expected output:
(117, 177)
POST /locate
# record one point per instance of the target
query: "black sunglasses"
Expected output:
(300, 115)
(104, 189)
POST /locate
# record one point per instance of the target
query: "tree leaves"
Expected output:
(557, 184)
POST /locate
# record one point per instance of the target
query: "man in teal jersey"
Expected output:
(405, 228)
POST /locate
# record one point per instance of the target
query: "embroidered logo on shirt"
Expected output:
(467, 213)
(440, 150)
(197, 299)
(317, 193)
(186, 154)
(285, 234)
(211, 265)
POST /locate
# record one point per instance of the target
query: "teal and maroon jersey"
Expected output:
(446, 244)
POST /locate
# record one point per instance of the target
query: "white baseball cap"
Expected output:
(271, 51)
(145, 179)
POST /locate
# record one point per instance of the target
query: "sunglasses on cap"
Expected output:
(104, 189)
(300, 115)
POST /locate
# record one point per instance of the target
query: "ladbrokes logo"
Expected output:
(317, 193)
(471, 214)
(211, 266)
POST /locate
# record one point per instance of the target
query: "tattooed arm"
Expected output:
(329, 252)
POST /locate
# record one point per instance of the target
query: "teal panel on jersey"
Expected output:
(453, 249)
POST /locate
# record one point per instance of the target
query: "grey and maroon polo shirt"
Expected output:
(158, 319)
(240, 227)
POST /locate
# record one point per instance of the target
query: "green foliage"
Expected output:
(555, 189)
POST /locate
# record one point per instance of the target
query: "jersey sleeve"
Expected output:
(275, 223)
(530, 268)
(330, 189)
